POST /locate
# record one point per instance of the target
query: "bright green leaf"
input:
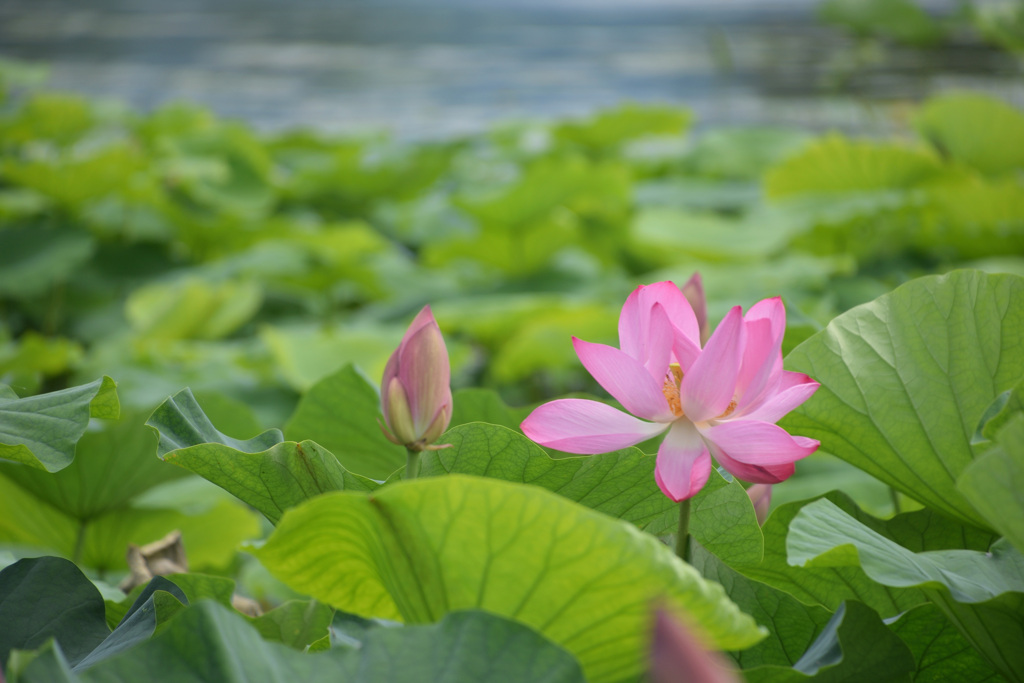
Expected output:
(296, 623)
(417, 550)
(42, 431)
(906, 378)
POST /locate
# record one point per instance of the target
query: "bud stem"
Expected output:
(412, 463)
(683, 533)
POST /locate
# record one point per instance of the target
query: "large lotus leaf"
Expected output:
(42, 431)
(994, 483)
(620, 484)
(981, 592)
(417, 550)
(48, 597)
(854, 646)
(976, 129)
(792, 625)
(835, 164)
(264, 472)
(212, 530)
(906, 378)
(341, 413)
(114, 463)
(942, 653)
(203, 644)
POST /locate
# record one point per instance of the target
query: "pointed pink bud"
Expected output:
(677, 656)
(415, 392)
(693, 290)
(761, 497)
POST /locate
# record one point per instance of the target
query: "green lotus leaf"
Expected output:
(906, 378)
(417, 550)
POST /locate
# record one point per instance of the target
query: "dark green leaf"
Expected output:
(48, 597)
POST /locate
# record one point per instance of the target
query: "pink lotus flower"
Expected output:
(415, 392)
(722, 400)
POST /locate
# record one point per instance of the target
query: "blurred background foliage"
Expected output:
(174, 248)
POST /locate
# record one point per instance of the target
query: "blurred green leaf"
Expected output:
(978, 130)
(192, 308)
(609, 129)
(835, 164)
(901, 20)
(34, 259)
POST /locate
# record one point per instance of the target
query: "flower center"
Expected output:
(671, 389)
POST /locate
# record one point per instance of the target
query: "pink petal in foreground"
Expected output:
(679, 310)
(693, 290)
(579, 426)
(794, 389)
(424, 371)
(758, 366)
(708, 386)
(626, 379)
(757, 474)
(677, 656)
(758, 443)
(772, 310)
(683, 464)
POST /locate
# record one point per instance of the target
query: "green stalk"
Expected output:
(412, 463)
(683, 533)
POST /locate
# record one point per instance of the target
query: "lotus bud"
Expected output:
(693, 290)
(761, 497)
(415, 392)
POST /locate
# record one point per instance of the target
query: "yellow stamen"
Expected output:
(671, 389)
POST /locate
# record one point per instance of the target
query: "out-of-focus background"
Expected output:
(434, 69)
(253, 199)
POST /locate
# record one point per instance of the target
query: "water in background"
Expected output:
(437, 68)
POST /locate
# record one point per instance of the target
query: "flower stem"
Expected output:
(683, 533)
(895, 500)
(412, 463)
